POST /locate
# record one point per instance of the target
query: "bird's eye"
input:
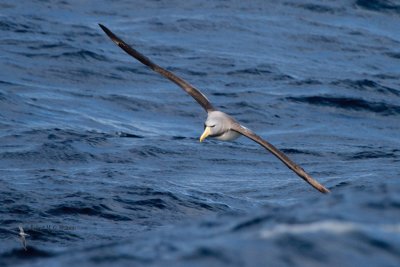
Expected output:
(211, 126)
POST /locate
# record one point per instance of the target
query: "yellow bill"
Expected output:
(207, 132)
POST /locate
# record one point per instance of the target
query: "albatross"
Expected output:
(218, 124)
(22, 236)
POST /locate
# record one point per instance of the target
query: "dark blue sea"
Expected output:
(100, 159)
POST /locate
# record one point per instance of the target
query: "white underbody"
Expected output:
(228, 136)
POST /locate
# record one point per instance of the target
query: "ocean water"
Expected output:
(100, 161)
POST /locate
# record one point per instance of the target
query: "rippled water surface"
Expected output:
(100, 159)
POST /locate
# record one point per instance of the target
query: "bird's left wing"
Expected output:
(280, 155)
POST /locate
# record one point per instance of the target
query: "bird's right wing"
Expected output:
(195, 93)
(280, 155)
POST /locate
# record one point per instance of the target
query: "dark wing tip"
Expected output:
(110, 34)
(314, 183)
(104, 28)
(323, 190)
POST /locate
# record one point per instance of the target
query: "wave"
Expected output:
(52, 145)
(348, 103)
(334, 227)
(146, 199)
(133, 103)
(49, 152)
(309, 81)
(78, 54)
(393, 55)
(298, 151)
(81, 208)
(11, 26)
(367, 85)
(373, 154)
(187, 71)
(317, 8)
(31, 254)
(379, 5)
(82, 54)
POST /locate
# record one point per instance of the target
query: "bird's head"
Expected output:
(215, 125)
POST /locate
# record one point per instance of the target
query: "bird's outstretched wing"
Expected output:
(280, 155)
(23, 242)
(195, 93)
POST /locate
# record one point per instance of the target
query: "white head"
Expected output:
(217, 124)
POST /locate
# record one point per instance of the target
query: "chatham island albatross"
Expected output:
(218, 124)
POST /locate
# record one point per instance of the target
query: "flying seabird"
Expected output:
(22, 236)
(218, 124)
